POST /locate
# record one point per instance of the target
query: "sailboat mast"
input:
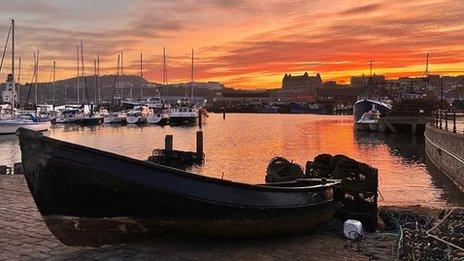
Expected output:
(84, 93)
(13, 62)
(122, 76)
(77, 66)
(95, 78)
(19, 75)
(66, 91)
(141, 77)
(165, 75)
(54, 82)
(36, 78)
(98, 78)
(191, 78)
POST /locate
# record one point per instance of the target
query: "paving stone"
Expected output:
(24, 236)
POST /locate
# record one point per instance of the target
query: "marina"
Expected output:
(152, 133)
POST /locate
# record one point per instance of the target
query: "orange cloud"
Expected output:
(245, 44)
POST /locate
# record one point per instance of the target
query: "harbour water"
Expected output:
(240, 147)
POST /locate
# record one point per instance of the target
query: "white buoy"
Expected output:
(352, 229)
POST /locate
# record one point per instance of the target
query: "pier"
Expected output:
(444, 145)
(411, 124)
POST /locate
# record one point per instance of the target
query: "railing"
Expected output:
(449, 120)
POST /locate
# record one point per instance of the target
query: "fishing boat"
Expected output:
(92, 197)
(115, 117)
(369, 120)
(137, 115)
(365, 102)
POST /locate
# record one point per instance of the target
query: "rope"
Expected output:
(280, 169)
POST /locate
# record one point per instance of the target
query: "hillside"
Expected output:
(66, 89)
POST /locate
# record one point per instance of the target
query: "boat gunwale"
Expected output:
(29, 134)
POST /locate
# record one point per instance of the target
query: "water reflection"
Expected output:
(239, 148)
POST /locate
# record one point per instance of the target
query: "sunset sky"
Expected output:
(241, 43)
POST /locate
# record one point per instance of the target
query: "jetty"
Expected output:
(411, 124)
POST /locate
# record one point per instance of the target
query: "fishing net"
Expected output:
(280, 169)
(360, 182)
(176, 158)
(421, 237)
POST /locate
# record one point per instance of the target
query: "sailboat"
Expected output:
(159, 111)
(86, 115)
(185, 112)
(159, 108)
(11, 119)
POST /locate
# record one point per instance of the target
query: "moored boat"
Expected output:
(160, 118)
(159, 111)
(118, 118)
(183, 113)
(10, 126)
(369, 120)
(92, 197)
(137, 115)
(365, 102)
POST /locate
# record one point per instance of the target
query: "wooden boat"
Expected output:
(92, 197)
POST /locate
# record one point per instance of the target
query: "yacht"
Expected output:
(159, 111)
(137, 115)
(11, 120)
(369, 120)
(28, 121)
(115, 117)
(76, 115)
(184, 112)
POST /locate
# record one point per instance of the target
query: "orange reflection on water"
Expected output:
(240, 147)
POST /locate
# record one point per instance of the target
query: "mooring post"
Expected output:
(168, 142)
(200, 118)
(224, 114)
(200, 142)
(440, 118)
(454, 121)
(3, 170)
(446, 120)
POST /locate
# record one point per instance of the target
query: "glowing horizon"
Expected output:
(243, 44)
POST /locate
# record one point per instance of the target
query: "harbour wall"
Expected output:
(445, 150)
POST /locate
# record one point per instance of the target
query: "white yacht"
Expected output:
(184, 112)
(10, 126)
(138, 115)
(159, 111)
(115, 117)
(11, 119)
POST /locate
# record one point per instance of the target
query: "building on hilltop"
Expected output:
(302, 83)
(300, 88)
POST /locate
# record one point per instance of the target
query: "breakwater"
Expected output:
(445, 149)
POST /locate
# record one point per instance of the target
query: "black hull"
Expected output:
(163, 121)
(90, 197)
(183, 120)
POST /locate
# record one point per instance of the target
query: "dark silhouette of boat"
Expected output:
(92, 197)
